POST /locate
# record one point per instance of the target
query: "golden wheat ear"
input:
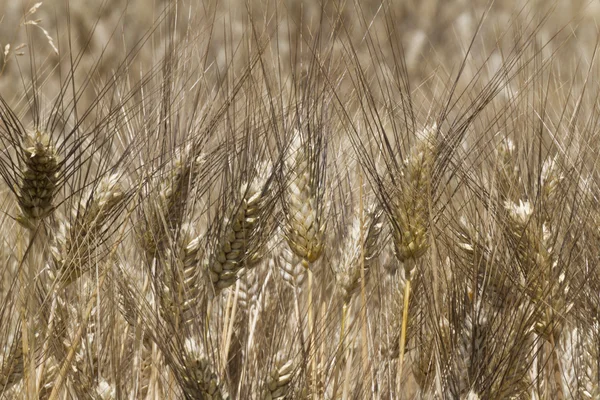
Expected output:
(304, 227)
(411, 201)
(242, 241)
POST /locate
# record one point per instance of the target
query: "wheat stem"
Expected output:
(402, 343)
(311, 335)
(340, 349)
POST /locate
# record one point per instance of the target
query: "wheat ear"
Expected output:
(200, 379)
(358, 256)
(305, 227)
(166, 213)
(348, 271)
(79, 241)
(532, 229)
(289, 265)
(39, 175)
(240, 245)
(11, 364)
(410, 218)
(39, 178)
(278, 383)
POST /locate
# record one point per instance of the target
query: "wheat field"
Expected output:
(264, 199)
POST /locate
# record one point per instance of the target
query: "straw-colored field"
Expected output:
(299, 200)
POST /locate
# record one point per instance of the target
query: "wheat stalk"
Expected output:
(304, 227)
(39, 178)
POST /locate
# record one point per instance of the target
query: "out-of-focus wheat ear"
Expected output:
(348, 271)
(39, 177)
(278, 382)
(242, 240)
(11, 364)
(551, 178)
(535, 252)
(105, 390)
(472, 395)
(47, 380)
(468, 359)
(165, 214)
(198, 374)
(360, 250)
(581, 362)
(476, 249)
(78, 241)
(304, 227)
(534, 248)
(508, 176)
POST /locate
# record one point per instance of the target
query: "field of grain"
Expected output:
(263, 199)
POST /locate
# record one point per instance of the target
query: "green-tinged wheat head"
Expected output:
(411, 200)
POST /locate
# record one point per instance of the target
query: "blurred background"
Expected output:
(433, 35)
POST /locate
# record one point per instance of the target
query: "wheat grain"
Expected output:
(277, 385)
